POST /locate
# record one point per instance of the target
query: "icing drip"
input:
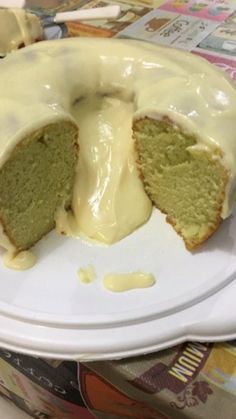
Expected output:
(109, 200)
(128, 281)
(20, 261)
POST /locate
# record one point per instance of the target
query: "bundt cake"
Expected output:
(148, 117)
(18, 28)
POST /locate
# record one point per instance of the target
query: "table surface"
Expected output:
(8, 411)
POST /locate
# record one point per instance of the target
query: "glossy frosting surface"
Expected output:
(104, 85)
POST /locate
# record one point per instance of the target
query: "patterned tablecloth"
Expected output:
(192, 380)
(207, 28)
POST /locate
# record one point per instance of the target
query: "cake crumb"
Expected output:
(87, 274)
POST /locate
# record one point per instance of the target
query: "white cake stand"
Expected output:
(47, 312)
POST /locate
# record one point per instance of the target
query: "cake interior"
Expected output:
(36, 180)
(186, 184)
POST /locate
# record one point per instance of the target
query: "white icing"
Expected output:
(19, 261)
(18, 28)
(109, 201)
(120, 282)
(66, 79)
(87, 274)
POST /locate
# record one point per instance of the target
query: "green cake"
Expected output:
(187, 185)
(35, 181)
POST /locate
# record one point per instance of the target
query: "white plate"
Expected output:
(46, 311)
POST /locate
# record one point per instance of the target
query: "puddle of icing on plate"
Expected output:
(20, 261)
(87, 274)
(120, 282)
